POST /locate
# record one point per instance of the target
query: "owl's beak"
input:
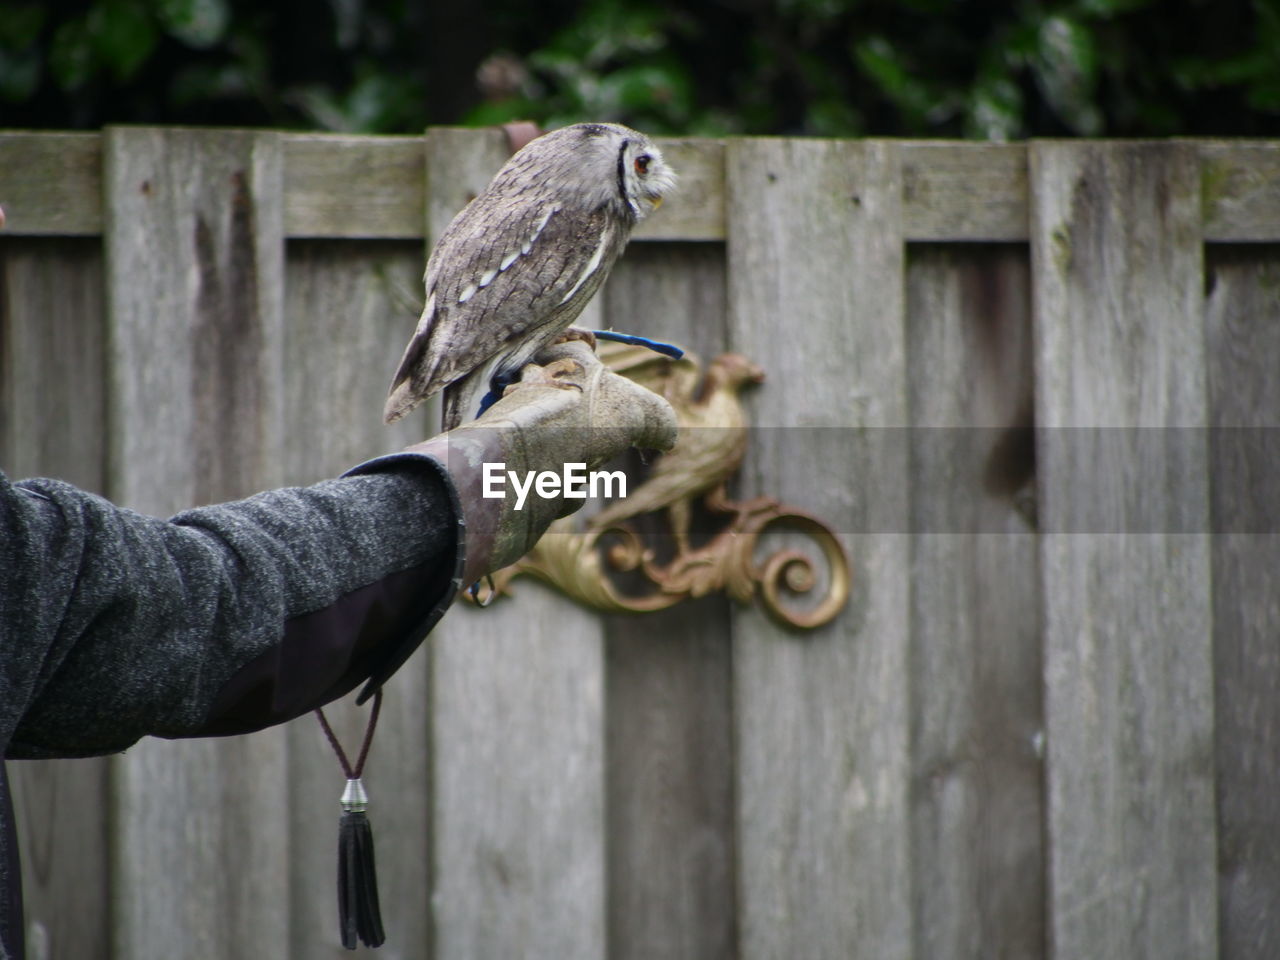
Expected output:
(656, 202)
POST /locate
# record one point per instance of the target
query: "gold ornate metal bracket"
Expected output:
(587, 564)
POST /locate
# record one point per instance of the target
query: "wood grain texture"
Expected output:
(51, 183)
(195, 294)
(338, 185)
(52, 423)
(964, 191)
(1243, 336)
(696, 210)
(517, 729)
(821, 725)
(669, 682)
(977, 713)
(1240, 191)
(52, 362)
(349, 308)
(1116, 248)
(518, 751)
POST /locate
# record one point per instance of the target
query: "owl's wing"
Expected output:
(503, 270)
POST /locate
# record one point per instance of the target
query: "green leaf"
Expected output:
(832, 117)
(122, 34)
(197, 23)
(1066, 67)
(995, 110)
(884, 64)
(72, 60)
(20, 26)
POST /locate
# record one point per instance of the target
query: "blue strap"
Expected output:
(666, 349)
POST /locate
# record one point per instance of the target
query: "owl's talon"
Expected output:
(549, 375)
(577, 333)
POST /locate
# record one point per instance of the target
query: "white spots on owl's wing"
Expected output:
(524, 246)
(537, 229)
(428, 313)
(592, 265)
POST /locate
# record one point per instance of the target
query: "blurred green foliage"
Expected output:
(969, 68)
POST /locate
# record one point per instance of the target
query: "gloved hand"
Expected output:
(567, 408)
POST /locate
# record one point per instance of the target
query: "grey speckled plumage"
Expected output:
(517, 266)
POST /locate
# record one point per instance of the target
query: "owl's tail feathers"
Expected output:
(401, 401)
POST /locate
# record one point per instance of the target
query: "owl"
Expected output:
(517, 266)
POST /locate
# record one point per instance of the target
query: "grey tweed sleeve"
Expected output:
(220, 620)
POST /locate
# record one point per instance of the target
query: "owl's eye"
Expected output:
(642, 164)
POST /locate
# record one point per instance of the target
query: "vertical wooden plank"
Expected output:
(977, 712)
(1243, 335)
(517, 730)
(669, 733)
(518, 734)
(52, 423)
(349, 309)
(1121, 407)
(52, 394)
(816, 293)
(194, 285)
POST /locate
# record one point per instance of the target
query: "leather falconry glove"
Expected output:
(567, 407)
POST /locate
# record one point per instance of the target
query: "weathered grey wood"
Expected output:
(52, 368)
(51, 183)
(977, 715)
(460, 163)
(964, 191)
(668, 717)
(1243, 335)
(349, 310)
(1116, 249)
(1240, 188)
(703, 783)
(518, 751)
(670, 785)
(517, 731)
(696, 210)
(821, 723)
(194, 286)
(52, 424)
(338, 185)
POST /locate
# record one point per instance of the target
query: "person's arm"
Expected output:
(230, 618)
(223, 619)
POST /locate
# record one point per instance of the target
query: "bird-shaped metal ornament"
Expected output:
(713, 439)
(517, 266)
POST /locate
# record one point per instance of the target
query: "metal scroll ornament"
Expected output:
(611, 566)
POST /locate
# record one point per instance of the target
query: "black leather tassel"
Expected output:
(359, 916)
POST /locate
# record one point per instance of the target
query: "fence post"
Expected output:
(517, 729)
(816, 295)
(1122, 458)
(194, 251)
(977, 710)
(52, 424)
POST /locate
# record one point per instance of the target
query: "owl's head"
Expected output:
(608, 164)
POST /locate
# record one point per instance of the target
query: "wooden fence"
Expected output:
(1046, 726)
